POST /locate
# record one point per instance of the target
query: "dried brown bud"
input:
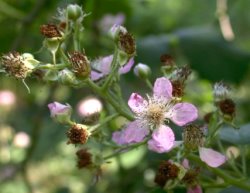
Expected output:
(166, 171)
(167, 60)
(127, 43)
(78, 134)
(191, 177)
(80, 64)
(84, 158)
(183, 73)
(193, 137)
(18, 65)
(178, 88)
(50, 31)
(227, 107)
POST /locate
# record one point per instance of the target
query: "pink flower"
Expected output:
(109, 20)
(212, 158)
(60, 112)
(150, 116)
(102, 67)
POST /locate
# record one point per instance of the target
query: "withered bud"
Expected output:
(166, 171)
(91, 119)
(78, 134)
(18, 65)
(193, 137)
(182, 73)
(178, 88)
(221, 91)
(167, 60)
(227, 107)
(127, 43)
(50, 31)
(191, 176)
(80, 64)
(84, 158)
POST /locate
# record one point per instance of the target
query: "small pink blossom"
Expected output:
(109, 20)
(150, 115)
(61, 113)
(102, 67)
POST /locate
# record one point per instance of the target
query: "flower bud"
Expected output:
(84, 158)
(74, 12)
(193, 137)
(142, 71)
(116, 30)
(67, 77)
(60, 113)
(80, 64)
(166, 171)
(78, 134)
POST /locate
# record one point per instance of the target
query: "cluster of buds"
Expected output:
(17, 65)
(223, 101)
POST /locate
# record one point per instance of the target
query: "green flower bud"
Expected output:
(74, 12)
(142, 71)
(67, 77)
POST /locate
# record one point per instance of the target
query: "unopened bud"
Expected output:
(74, 12)
(142, 71)
(60, 113)
(116, 30)
(67, 77)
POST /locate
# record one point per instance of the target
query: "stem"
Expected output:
(109, 98)
(114, 68)
(149, 84)
(214, 131)
(52, 67)
(123, 148)
(107, 119)
(76, 38)
(64, 57)
(243, 160)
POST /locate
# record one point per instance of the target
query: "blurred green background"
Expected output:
(194, 32)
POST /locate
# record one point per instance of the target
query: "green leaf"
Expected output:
(244, 134)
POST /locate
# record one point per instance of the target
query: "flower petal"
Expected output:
(117, 137)
(127, 67)
(182, 113)
(58, 108)
(136, 102)
(133, 133)
(96, 75)
(212, 158)
(195, 189)
(163, 140)
(163, 88)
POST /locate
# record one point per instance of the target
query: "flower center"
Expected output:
(155, 114)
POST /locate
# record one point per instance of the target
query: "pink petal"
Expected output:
(162, 139)
(163, 88)
(96, 75)
(212, 158)
(58, 108)
(182, 113)
(136, 102)
(195, 189)
(127, 67)
(117, 137)
(185, 163)
(134, 132)
(105, 64)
